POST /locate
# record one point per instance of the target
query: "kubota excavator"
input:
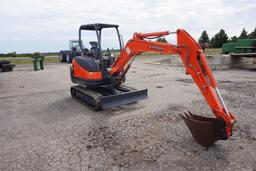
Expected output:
(100, 77)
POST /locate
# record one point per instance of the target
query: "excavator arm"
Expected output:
(205, 130)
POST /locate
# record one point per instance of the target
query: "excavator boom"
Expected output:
(196, 65)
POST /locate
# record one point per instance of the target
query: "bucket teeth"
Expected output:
(205, 130)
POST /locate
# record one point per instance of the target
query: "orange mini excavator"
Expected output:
(100, 76)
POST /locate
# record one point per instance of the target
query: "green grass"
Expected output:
(28, 60)
(208, 51)
(213, 51)
(54, 59)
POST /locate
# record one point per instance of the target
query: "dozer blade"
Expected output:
(110, 101)
(205, 130)
(102, 98)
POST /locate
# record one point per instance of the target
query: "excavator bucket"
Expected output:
(205, 130)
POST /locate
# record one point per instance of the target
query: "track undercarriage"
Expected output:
(104, 98)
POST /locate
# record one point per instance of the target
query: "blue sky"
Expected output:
(47, 25)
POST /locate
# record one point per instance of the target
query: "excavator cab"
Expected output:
(103, 56)
(97, 88)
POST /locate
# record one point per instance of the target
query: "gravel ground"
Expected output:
(43, 128)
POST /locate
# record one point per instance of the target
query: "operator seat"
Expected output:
(89, 63)
(95, 50)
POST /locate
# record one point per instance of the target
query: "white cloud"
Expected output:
(47, 25)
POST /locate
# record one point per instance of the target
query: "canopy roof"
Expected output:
(97, 26)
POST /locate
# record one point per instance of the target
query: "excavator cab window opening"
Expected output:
(104, 57)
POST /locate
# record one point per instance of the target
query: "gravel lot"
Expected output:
(43, 128)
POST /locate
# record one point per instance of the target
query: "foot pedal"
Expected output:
(205, 130)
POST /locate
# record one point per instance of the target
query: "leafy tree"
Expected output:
(219, 39)
(204, 37)
(233, 39)
(243, 34)
(11, 54)
(252, 35)
(36, 54)
(161, 39)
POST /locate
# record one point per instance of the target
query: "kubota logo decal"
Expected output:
(156, 48)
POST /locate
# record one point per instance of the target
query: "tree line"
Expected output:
(221, 37)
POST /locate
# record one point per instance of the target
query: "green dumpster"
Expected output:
(245, 45)
(228, 48)
(38, 62)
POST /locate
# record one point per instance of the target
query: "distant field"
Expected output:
(54, 58)
(208, 51)
(28, 60)
(212, 51)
